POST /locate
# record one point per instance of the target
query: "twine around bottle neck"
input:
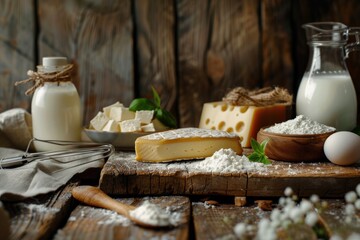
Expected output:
(40, 78)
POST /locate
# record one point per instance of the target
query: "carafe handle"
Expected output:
(353, 46)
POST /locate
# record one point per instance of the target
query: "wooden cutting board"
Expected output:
(123, 175)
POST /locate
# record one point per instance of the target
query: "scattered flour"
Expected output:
(154, 215)
(114, 218)
(226, 160)
(40, 208)
(300, 125)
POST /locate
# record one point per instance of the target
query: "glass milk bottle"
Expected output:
(326, 93)
(56, 107)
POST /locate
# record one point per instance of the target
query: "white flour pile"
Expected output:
(300, 125)
(154, 215)
(226, 160)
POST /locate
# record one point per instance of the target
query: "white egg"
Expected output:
(342, 148)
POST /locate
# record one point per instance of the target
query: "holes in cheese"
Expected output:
(183, 144)
(245, 121)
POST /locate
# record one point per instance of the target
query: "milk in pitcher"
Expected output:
(329, 99)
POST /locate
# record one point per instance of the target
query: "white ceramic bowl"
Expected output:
(123, 141)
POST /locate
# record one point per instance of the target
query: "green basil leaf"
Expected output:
(263, 144)
(165, 117)
(258, 154)
(264, 160)
(256, 146)
(156, 97)
(253, 157)
(141, 104)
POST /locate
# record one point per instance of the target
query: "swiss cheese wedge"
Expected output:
(245, 121)
(184, 144)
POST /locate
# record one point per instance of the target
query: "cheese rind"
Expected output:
(245, 121)
(184, 144)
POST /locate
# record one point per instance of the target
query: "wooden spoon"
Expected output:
(93, 196)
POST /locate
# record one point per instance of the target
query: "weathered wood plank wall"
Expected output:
(191, 51)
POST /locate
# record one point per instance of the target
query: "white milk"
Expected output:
(328, 99)
(56, 109)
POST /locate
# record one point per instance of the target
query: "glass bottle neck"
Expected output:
(327, 60)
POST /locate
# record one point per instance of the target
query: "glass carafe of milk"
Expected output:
(56, 108)
(326, 93)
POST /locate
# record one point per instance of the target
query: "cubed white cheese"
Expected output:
(145, 116)
(111, 126)
(148, 128)
(107, 109)
(121, 114)
(99, 121)
(132, 125)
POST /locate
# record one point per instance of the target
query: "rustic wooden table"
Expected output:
(59, 216)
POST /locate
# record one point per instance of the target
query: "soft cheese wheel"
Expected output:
(183, 144)
(245, 121)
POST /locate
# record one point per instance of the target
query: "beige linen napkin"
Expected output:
(36, 177)
(15, 128)
(43, 176)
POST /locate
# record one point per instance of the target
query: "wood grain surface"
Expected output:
(57, 216)
(192, 52)
(95, 223)
(40, 218)
(155, 50)
(98, 38)
(218, 222)
(277, 39)
(123, 175)
(17, 50)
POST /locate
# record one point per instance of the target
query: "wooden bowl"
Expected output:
(294, 147)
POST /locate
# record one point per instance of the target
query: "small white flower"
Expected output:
(275, 214)
(314, 198)
(354, 236)
(350, 197)
(358, 189)
(335, 237)
(350, 209)
(348, 219)
(282, 201)
(289, 202)
(296, 215)
(287, 209)
(286, 223)
(288, 191)
(311, 219)
(240, 230)
(275, 223)
(265, 231)
(306, 206)
(264, 223)
(357, 204)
